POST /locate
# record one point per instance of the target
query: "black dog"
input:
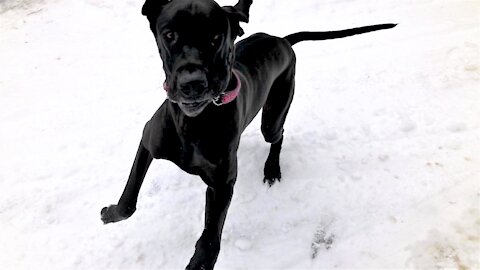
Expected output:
(215, 89)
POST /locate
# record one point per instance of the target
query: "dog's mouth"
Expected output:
(194, 104)
(193, 109)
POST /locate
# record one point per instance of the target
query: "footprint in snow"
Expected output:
(321, 240)
(407, 125)
(457, 127)
(243, 244)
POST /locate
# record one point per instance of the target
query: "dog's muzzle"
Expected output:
(226, 96)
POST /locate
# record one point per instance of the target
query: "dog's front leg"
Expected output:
(127, 204)
(208, 246)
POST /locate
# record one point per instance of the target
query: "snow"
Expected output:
(380, 163)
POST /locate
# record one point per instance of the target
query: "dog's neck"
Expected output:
(230, 95)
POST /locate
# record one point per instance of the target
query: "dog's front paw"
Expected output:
(206, 252)
(112, 213)
(201, 261)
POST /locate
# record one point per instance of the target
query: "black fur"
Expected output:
(195, 39)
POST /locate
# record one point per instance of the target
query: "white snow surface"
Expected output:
(380, 163)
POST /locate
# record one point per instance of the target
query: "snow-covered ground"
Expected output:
(381, 162)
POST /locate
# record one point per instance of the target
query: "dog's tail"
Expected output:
(303, 36)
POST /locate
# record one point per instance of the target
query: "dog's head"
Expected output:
(195, 39)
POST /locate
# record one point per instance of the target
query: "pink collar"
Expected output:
(225, 97)
(229, 96)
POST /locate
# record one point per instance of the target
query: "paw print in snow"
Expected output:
(321, 240)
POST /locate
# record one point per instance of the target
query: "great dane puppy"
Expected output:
(215, 88)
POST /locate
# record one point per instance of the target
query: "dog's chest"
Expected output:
(197, 147)
(204, 147)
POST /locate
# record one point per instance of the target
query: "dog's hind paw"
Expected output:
(271, 181)
(272, 171)
(112, 214)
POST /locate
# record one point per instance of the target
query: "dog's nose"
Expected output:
(192, 83)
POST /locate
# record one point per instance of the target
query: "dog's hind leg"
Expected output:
(274, 114)
(127, 204)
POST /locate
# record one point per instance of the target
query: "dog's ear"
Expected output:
(238, 13)
(152, 8)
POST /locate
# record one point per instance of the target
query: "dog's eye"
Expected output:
(169, 36)
(216, 40)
